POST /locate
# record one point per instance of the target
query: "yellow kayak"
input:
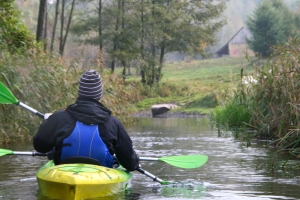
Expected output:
(80, 181)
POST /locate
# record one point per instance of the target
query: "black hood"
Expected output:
(89, 111)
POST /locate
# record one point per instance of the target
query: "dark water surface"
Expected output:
(232, 172)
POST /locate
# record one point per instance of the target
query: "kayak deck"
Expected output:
(80, 181)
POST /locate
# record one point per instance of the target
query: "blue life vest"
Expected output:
(85, 141)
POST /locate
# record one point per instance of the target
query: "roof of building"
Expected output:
(224, 49)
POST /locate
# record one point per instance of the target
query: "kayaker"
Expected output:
(86, 130)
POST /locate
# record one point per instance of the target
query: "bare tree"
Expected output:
(41, 21)
(63, 37)
(54, 24)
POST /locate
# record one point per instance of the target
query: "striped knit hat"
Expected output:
(90, 85)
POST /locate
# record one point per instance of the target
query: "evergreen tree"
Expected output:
(289, 17)
(270, 25)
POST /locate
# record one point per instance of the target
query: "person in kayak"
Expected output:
(86, 131)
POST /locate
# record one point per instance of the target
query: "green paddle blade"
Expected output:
(6, 96)
(187, 161)
(4, 152)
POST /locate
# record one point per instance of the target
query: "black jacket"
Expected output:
(61, 124)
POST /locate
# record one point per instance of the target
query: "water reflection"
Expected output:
(233, 171)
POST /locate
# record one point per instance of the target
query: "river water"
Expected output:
(233, 171)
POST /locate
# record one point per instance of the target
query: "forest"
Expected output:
(236, 14)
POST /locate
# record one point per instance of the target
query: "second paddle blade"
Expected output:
(186, 161)
(6, 96)
(6, 152)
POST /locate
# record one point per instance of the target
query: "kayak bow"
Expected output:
(81, 181)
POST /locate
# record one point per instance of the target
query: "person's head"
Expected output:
(90, 85)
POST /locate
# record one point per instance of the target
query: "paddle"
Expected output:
(6, 97)
(186, 161)
(4, 152)
(25, 153)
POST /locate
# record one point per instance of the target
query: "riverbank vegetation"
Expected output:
(267, 107)
(48, 83)
(270, 107)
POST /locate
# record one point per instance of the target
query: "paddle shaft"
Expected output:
(30, 109)
(26, 153)
(154, 178)
(148, 159)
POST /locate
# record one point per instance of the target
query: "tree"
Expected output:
(184, 26)
(54, 25)
(270, 25)
(14, 35)
(65, 23)
(41, 21)
(189, 27)
(145, 30)
(108, 20)
(64, 29)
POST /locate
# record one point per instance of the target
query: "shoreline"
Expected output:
(169, 114)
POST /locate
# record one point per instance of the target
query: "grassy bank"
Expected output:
(196, 86)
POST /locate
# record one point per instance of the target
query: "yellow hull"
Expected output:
(80, 181)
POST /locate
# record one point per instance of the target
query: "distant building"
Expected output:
(237, 45)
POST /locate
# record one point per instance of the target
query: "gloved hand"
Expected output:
(47, 115)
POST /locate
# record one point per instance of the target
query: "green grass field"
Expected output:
(202, 83)
(205, 75)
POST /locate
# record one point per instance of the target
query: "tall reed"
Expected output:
(273, 103)
(48, 83)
